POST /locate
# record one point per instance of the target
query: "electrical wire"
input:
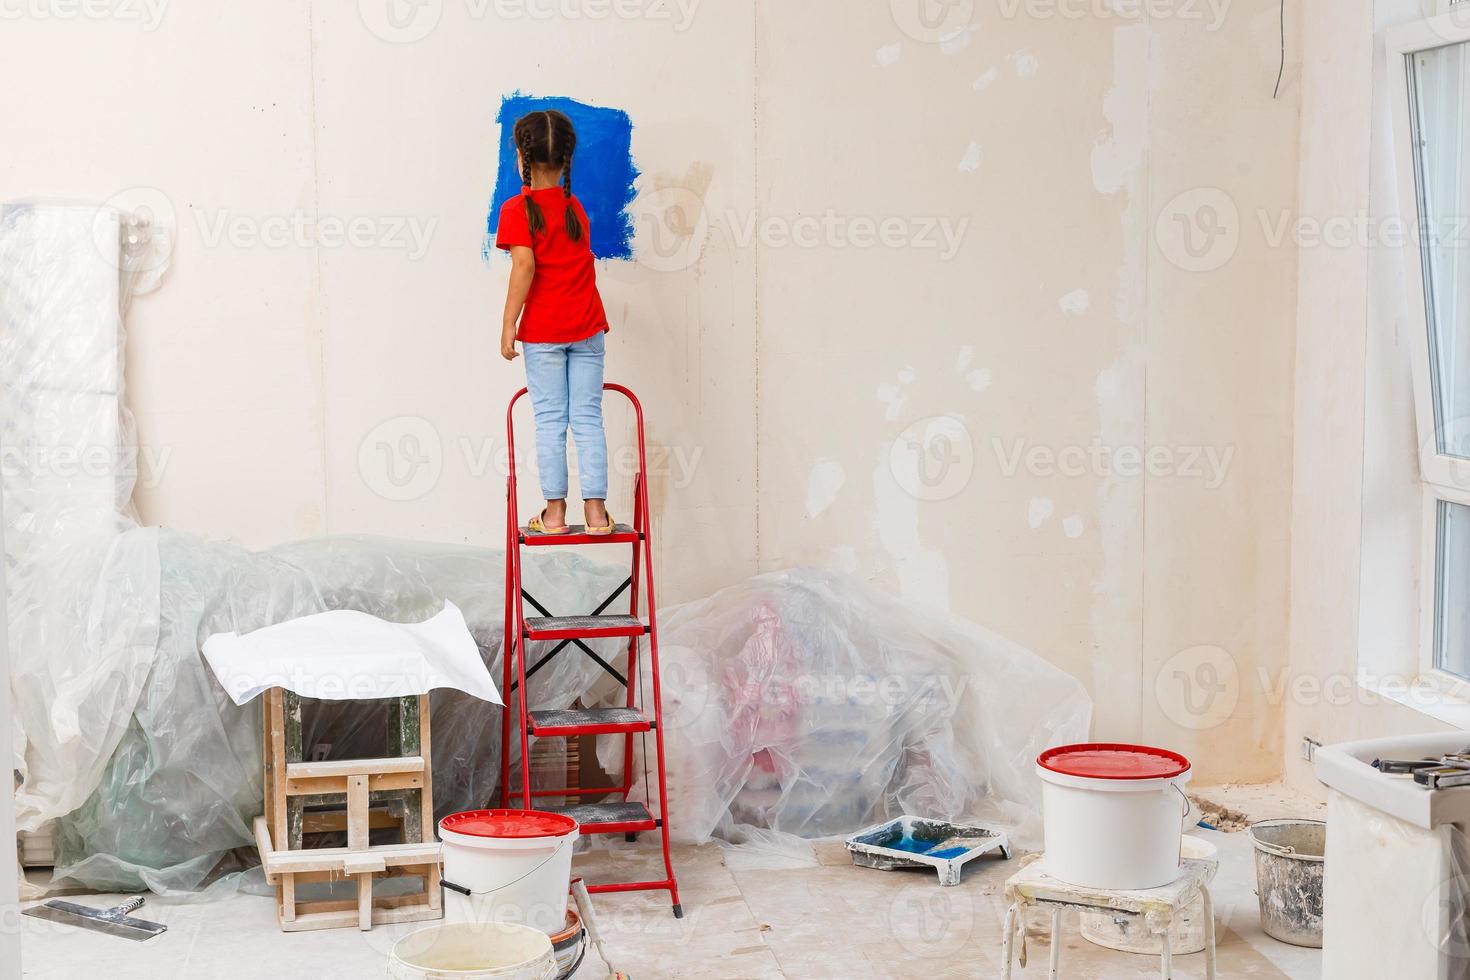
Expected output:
(1281, 67)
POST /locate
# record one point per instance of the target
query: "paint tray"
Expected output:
(913, 842)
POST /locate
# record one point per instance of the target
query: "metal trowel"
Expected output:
(114, 921)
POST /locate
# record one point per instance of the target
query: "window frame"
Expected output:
(1442, 477)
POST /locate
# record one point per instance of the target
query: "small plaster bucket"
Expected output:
(473, 951)
(1291, 856)
(1113, 814)
(508, 866)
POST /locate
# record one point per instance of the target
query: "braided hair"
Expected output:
(546, 139)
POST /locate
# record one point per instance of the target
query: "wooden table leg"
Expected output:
(1005, 943)
(365, 901)
(1056, 942)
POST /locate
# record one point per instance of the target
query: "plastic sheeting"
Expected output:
(66, 273)
(1396, 896)
(183, 780)
(805, 704)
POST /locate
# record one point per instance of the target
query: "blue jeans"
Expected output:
(565, 381)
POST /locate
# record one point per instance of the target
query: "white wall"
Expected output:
(1087, 130)
(1355, 527)
(270, 377)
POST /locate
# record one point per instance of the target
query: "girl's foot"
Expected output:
(553, 519)
(596, 516)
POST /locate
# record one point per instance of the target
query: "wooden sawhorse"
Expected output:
(356, 796)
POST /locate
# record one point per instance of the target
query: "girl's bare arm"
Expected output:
(522, 269)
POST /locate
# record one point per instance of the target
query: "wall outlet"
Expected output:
(1309, 747)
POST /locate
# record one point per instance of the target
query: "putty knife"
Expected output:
(114, 921)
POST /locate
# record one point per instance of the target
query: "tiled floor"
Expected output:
(829, 921)
(833, 920)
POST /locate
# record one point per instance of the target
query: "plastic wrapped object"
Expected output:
(66, 271)
(184, 779)
(805, 704)
(1396, 894)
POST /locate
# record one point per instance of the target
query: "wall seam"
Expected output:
(1148, 311)
(318, 298)
(755, 111)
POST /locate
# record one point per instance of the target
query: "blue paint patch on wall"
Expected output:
(602, 169)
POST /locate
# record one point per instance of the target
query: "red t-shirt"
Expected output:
(563, 305)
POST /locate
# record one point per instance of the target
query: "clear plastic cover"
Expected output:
(805, 704)
(181, 784)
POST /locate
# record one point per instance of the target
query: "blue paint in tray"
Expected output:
(912, 845)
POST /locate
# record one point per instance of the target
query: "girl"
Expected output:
(553, 295)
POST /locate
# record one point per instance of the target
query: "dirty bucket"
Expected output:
(1290, 858)
(1113, 814)
(508, 866)
(569, 946)
(1130, 933)
(473, 951)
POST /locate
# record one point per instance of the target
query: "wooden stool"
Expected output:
(400, 787)
(1032, 886)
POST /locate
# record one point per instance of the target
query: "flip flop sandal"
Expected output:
(538, 524)
(612, 526)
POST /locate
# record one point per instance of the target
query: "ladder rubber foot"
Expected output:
(631, 836)
(678, 911)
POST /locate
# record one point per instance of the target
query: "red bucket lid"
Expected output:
(509, 823)
(1112, 760)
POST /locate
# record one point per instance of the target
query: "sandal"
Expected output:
(612, 526)
(538, 524)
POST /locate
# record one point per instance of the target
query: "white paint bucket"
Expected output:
(1113, 814)
(1131, 933)
(508, 866)
(473, 951)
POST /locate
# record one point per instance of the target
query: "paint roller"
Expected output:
(589, 919)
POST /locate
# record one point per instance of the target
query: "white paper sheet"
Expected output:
(344, 655)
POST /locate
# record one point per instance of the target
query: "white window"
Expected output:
(1429, 69)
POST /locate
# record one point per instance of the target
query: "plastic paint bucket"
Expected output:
(467, 951)
(1113, 814)
(517, 865)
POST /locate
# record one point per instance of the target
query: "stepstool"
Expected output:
(356, 796)
(1032, 886)
(619, 815)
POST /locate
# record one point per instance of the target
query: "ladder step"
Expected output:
(608, 818)
(589, 721)
(582, 627)
(577, 534)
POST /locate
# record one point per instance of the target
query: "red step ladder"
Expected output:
(618, 816)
